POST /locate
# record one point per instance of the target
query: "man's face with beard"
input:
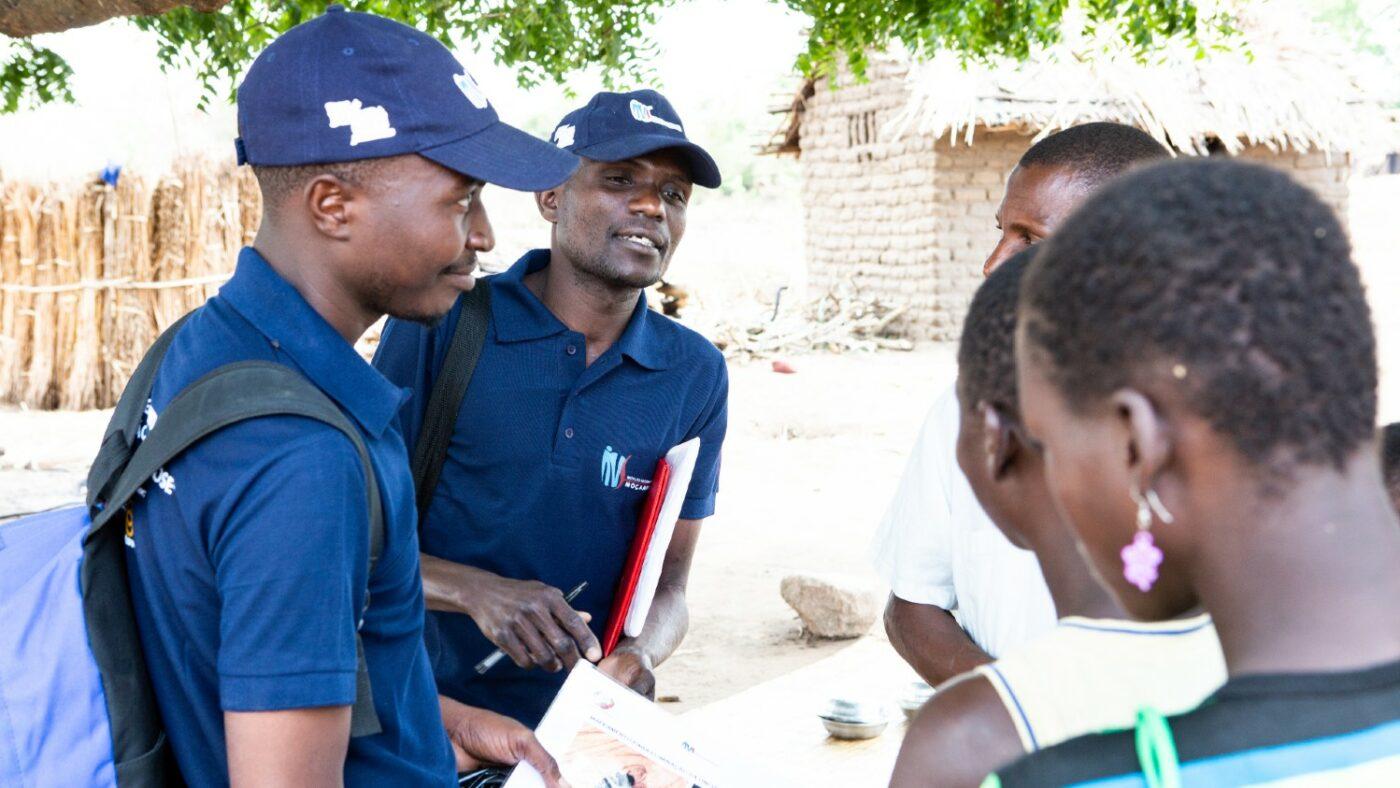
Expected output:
(618, 223)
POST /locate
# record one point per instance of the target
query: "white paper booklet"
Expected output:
(604, 735)
(682, 461)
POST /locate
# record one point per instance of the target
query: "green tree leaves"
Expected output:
(542, 40)
(977, 28)
(31, 75)
(546, 40)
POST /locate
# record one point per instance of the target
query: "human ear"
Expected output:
(1147, 439)
(998, 446)
(548, 204)
(328, 201)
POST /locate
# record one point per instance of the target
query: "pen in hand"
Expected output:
(498, 655)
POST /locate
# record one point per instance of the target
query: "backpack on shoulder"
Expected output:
(445, 398)
(76, 703)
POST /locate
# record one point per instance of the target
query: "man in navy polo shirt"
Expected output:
(248, 553)
(576, 375)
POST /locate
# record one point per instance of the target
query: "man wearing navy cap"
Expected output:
(248, 555)
(578, 391)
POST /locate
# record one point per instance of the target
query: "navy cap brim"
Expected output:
(703, 170)
(506, 156)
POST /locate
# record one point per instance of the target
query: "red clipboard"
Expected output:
(636, 555)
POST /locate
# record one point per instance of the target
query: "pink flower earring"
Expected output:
(1141, 557)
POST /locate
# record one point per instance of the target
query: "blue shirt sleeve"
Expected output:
(408, 355)
(710, 428)
(289, 545)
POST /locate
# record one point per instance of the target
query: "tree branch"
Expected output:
(24, 18)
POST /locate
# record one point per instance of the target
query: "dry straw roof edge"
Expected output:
(1282, 84)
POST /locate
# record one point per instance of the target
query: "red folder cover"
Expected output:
(636, 555)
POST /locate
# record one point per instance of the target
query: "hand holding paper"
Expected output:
(632, 669)
(599, 731)
(480, 737)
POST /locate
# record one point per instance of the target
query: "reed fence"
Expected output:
(91, 273)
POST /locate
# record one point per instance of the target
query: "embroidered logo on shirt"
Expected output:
(164, 481)
(148, 421)
(614, 472)
(161, 477)
(367, 124)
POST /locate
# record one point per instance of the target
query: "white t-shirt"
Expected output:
(937, 547)
(1089, 675)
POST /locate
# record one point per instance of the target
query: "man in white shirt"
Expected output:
(961, 594)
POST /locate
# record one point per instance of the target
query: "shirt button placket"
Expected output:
(572, 343)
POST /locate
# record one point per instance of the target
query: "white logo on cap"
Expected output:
(643, 113)
(564, 136)
(367, 124)
(471, 90)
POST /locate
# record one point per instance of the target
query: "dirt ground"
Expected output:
(810, 461)
(809, 464)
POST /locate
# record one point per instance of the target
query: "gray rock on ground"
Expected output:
(832, 606)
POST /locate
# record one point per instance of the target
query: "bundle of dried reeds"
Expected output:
(55, 271)
(11, 344)
(175, 203)
(21, 207)
(81, 377)
(126, 240)
(90, 275)
(249, 204)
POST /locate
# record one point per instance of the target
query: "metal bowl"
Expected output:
(842, 729)
(914, 698)
(853, 710)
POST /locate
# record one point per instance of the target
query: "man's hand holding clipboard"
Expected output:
(655, 526)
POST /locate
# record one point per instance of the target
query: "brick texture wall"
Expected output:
(1326, 175)
(904, 219)
(910, 220)
(970, 183)
(869, 201)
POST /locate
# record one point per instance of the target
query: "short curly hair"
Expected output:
(1095, 152)
(986, 353)
(1228, 276)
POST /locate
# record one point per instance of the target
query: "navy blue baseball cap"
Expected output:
(347, 86)
(618, 126)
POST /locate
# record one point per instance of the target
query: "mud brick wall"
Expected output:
(909, 219)
(905, 219)
(1325, 174)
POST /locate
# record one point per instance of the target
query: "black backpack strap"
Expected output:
(140, 750)
(440, 417)
(230, 394)
(120, 438)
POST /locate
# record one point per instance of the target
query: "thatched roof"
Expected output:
(1282, 85)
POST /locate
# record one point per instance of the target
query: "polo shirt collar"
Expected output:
(519, 316)
(640, 341)
(280, 313)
